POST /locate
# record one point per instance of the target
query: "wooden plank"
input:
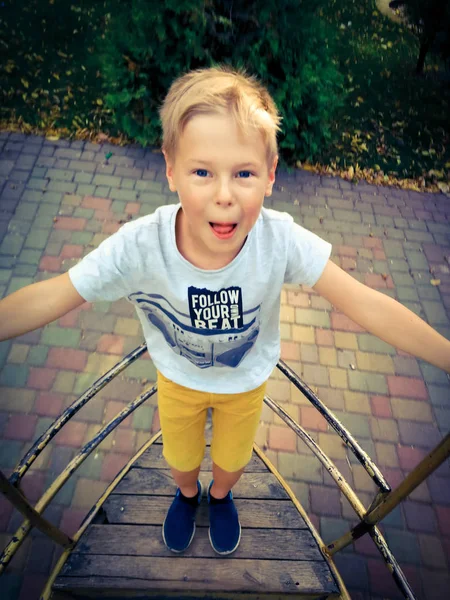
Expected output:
(146, 540)
(90, 587)
(159, 482)
(180, 573)
(152, 510)
(153, 459)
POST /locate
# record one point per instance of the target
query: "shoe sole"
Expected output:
(227, 551)
(193, 533)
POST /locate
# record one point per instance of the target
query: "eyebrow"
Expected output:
(239, 166)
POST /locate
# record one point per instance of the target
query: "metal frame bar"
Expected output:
(49, 494)
(354, 501)
(342, 587)
(19, 501)
(430, 463)
(371, 468)
(48, 435)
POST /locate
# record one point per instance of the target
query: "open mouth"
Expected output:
(223, 231)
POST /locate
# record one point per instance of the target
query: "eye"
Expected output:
(201, 172)
(244, 174)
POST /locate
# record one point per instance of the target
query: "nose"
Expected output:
(224, 194)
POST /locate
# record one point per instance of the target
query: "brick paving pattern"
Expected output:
(60, 199)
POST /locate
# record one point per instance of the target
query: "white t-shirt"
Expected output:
(215, 331)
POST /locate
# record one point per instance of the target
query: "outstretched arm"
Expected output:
(384, 317)
(36, 305)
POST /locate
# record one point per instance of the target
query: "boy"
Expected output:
(206, 277)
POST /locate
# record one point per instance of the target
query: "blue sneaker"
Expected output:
(224, 526)
(179, 525)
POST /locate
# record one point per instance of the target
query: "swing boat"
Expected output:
(118, 550)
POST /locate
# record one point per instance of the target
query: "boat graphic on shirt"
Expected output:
(215, 332)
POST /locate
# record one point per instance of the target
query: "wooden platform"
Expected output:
(122, 554)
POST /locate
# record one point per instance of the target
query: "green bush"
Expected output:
(285, 43)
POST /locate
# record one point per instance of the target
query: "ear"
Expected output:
(169, 172)
(271, 181)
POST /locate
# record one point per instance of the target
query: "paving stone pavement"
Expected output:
(60, 199)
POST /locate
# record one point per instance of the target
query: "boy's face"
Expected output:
(221, 179)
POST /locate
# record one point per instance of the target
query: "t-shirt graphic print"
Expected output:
(216, 332)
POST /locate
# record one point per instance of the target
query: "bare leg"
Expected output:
(186, 481)
(223, 481)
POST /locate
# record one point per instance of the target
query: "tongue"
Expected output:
(222, 228)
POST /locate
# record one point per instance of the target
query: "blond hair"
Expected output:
(215, 90)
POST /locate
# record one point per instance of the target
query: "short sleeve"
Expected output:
(104, 273)
(308, 255)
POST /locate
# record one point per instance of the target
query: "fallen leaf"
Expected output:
(52, 138)
(435, 281)
(438, 174)
(444, 187)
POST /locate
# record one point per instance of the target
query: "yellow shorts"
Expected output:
(183, 412)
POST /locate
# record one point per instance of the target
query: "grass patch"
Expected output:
(49, 77)
(392, 120)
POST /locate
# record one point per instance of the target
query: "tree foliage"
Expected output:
(431, 21)
(285, 43)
